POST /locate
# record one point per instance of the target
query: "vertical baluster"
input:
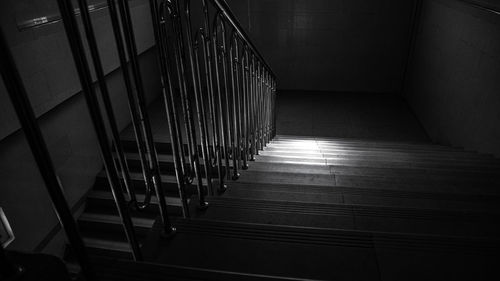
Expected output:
(239, 99)
(170, 107)
(172, 119)
(122, 161)
(124, 9)
(76, 45)
(186, 110)
(255, 151)
(245, 88)
(218, 136)
(136, 118)
(268, 108)
(264, 107)
(200, 107)
(257, 106)
(260, 106)
(165, 17)
(223, 93)
(233, 61)
(18, 96)
(186, 101)
(274, 109)
(207, 155)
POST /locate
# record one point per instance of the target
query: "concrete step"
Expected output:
(381, 163)
(353, 217)
(401, 154)
(365, 196)
(169, 184)
(167, 166)
(305, 252)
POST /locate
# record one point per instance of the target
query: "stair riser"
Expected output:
(383, 159)
(360, 143)
(170, 189)
(382, 164)
(161, 148)
(380, 154)
(107, 206)
(167, 168)
(347, 218)
(382, 148)
(108, 231)
(361, 147)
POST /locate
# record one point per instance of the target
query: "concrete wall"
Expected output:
(331, 45)
(454, 83)
(48, 72)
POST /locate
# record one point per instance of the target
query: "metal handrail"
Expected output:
(19, 97)
(224, 8)
(234, 78)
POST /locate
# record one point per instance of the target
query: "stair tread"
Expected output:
(115, 219)
(365, 196)
(375, 160)
(214, 242)
(97, 194)
(403, 154)
(302, 252)
(361, 141)
(306, 204)
(353, 217)
(139, 177)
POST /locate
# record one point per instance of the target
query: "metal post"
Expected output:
(253, 91)
(73, 34)
(233, 62)
(212, 109)
(94, 51)
(245, 85)
(24, 111)
(128, 31)
(218, 57)
(186, 102)
(192, 49)
(217, 146)
(173, 120)
(136, 118)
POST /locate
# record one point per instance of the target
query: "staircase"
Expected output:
(324, 208)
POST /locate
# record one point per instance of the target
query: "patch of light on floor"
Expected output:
(299, 144)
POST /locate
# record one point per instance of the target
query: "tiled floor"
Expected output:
(367, 116)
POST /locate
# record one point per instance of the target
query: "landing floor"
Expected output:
(323, 114)
(347, 115)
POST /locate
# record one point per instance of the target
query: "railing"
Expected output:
(219, 96)
(231, 88)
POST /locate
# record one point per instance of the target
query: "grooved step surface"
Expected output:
(354, 217)
(315, 208)
(311, 252)
(256, 249)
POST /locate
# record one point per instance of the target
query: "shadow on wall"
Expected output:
(454, 83)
